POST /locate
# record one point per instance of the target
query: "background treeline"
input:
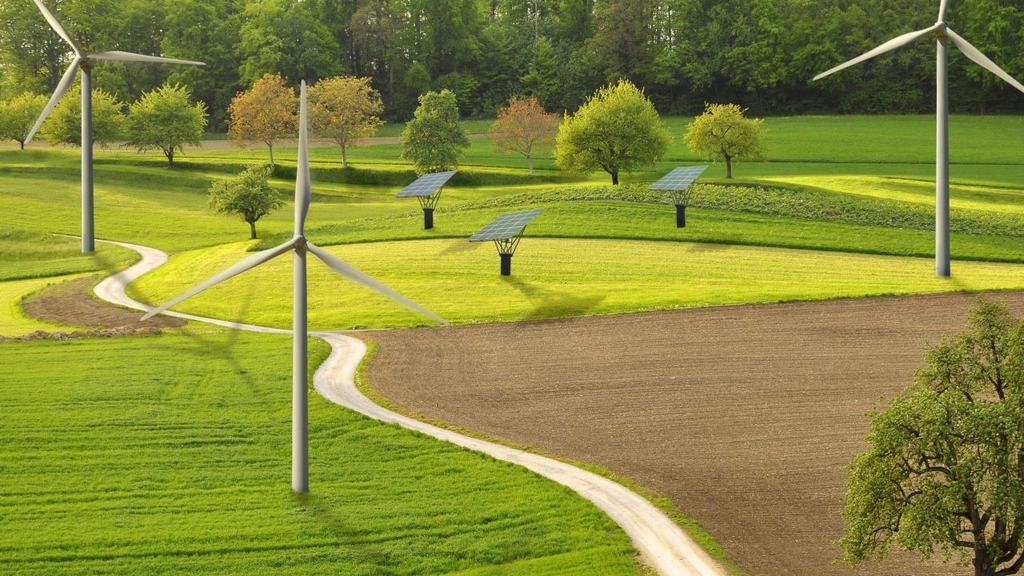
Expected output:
(759, 53)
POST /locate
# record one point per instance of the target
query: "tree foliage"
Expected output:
(64, 124)
(722, 132)
(944, 468)
(617, 129)
(18, 115)
(265, 113)
(433, 139)
(522, 125)
(247, 195)
(166, 120)
(345, 108)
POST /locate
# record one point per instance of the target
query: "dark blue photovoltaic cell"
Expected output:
(679, 178)
(426, 185)
(505, 226)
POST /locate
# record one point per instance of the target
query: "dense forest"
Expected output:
(760, 54)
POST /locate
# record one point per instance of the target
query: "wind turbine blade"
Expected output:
(982, 60)
(57, 27)
(133, 57)
(303, 194)
(942, 10)
(243, 265)
(350, 272)
(889, 46)
(65, 83)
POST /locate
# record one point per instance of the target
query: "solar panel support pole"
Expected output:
(680, 215)
(428, 218)
(506, 264)
(428, 203)
(506, 248)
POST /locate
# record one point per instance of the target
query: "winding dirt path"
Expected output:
(661, 542)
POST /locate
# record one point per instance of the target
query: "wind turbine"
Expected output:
(85, 62)
(298, 245)
(943, 35)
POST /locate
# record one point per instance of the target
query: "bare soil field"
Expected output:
(746, 416)
(71, 303)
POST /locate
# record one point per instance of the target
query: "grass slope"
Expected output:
(170, 455)
(551, 277)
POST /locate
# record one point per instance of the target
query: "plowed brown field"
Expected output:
(745, 416)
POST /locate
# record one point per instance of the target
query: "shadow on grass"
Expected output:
(550, 303)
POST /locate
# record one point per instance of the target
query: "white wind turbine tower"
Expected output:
(298, 245)
(943, 35)
(84, 61)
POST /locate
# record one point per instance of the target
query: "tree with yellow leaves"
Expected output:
(265, 113)
(345, 108)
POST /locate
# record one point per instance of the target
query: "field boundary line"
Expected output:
(662, 543)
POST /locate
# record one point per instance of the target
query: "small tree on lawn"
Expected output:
(248, 195)
(266, 113)
(164, 119)
(521, 126)
(17, 116)
(616, 129)
(433, 139)
(722, 132)
(64, 124)
(345, 108)
(944, 468)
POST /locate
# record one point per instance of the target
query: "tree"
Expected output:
(248, 195)
(164, 119)
(521, 125)
(64, 124)
(616, 129)
(345, 108)
(723, 132)
(266, 113)
(433, 139)
(944, 468)
(17, 116)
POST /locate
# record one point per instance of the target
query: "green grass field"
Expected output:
(171, 455)
(841, 209)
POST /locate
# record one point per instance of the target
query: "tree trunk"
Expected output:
(615, 177)
(344, 157)
(22, 144)
(170, 157)
(728, 166)
(271, 146)
(252, 230)
(529, 162)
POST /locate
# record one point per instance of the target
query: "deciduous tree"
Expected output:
(17, 116)
(64, 124)
(523, 125)
(722, 132)
(345, 108)
(266, 113)
(433, 139)
(944, 468)
(248, 195)
(165, 119)
(616, 129)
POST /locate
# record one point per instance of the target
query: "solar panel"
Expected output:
(679, 178)
(426, 185)
(505, 226)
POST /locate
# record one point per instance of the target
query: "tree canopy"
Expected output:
(345, 108)
(522, 125)
(64, 124)
(944, 468)
(617, 130)
(722, 132)
(265, 113)
(433, 139)
(683, 53)
(247, 195)
(165, 120)
(18, 115)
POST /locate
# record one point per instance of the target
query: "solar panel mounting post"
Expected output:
(680, 215)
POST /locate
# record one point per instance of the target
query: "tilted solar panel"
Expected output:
(505, 226)
(426, 185)
(679, 178)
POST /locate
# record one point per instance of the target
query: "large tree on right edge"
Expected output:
(617, 129)
(944, 468)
